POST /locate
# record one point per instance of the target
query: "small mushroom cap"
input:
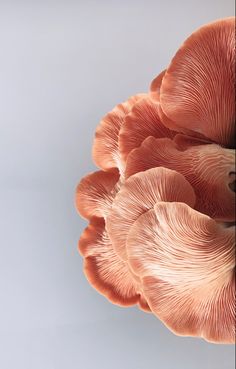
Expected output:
(106, 272)
(95, 193)
(143, 121)
(105, 146)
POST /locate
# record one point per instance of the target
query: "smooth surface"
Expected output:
(63, 65)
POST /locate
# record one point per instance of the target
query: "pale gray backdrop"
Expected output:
(63, 65)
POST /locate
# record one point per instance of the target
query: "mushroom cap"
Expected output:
(142, 121)
(197, 92)
(139, 194)
(106, 272)
(95, 193)
(105, 151)
(186, 262)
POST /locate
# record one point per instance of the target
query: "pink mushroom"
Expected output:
(161, 210)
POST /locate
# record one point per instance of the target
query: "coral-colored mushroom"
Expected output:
(95, 193)
(94, 197)
(104, 269)
(139, 194)
(143, 121)
(105, 147)
(162, 209)
(106, 272)
(198, 89)
(186, 262)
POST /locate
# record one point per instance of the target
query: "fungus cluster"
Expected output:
(161, 209)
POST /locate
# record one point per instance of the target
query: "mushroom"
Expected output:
(161, 210)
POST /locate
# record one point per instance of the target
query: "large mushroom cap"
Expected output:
(197, 93)
(186, 262)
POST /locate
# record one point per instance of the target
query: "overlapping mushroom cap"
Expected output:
(161, 209)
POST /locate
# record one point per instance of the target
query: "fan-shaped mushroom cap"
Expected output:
(198, 89)
(95, 193)
(186, 262)
(141, 122)
(106, 272)
(139, 194)
(105, 147)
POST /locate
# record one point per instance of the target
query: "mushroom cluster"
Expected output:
(161, 209)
